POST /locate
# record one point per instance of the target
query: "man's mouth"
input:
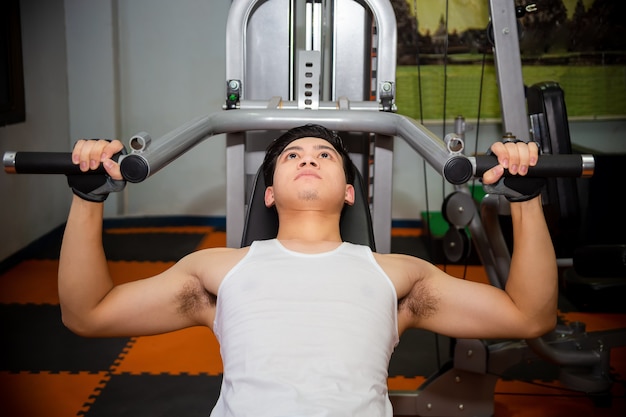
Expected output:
(305, 174)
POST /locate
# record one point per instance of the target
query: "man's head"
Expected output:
(275, 149)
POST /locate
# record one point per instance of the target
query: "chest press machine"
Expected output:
(333, 62)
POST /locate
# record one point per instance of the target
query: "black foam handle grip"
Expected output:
(133, 167)
(569, 165)
(47, 163)
(43, 163)
(459, 169)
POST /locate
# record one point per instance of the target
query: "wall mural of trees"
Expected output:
(593, 34)
(583, 48)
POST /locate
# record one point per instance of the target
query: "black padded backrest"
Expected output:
(546, 105)
(261, 223)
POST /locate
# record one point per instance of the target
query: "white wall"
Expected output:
(90, 33)
(33, 205)
(108, 69)
(171, 60)
(112, 68)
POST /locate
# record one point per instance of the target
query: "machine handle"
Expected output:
(460, 169)
(457, 170)
(43, 163)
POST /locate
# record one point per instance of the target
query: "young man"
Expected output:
(306, 323)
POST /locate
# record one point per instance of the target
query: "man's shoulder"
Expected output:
(220, 257)
(221, 252)
(403, 268)
(395, 258)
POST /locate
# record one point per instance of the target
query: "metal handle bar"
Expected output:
(43, 163)
(460, 169)
(457, 170)
(147, 157)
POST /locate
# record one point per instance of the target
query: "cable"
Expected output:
(480, 100)
(421, 119)
(429, 236)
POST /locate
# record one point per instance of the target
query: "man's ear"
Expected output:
(269, 197)
(349, 199)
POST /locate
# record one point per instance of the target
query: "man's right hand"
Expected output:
(89, 154)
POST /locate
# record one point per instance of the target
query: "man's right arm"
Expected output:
(91, 304)
(84, 278)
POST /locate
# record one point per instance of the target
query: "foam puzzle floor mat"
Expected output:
(46, 370)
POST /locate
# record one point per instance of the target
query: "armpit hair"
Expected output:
(194, 297)
(420, 301)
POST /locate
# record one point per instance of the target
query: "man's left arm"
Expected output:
(527, 306)
(532, 283)
(533, 276)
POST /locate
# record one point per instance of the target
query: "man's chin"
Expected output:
(308, 195)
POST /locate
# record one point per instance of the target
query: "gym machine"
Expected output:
(337, 68)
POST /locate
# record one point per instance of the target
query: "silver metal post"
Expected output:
(509, 68)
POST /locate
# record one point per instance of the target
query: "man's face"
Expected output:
(309, 174)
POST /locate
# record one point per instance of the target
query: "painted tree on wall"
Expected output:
(546, 30)
(600, 28)
(547, 36)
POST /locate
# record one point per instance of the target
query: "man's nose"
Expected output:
(308, 160)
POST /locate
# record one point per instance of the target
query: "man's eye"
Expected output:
(291, 155)
(325, 155)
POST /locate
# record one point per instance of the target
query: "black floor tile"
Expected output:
(35, 339)
(164, 247)
(157, 396)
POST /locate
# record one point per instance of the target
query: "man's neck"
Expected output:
(309, 227)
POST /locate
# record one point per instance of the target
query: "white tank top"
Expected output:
(305, 334)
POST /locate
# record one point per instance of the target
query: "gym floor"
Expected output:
(45, 370)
